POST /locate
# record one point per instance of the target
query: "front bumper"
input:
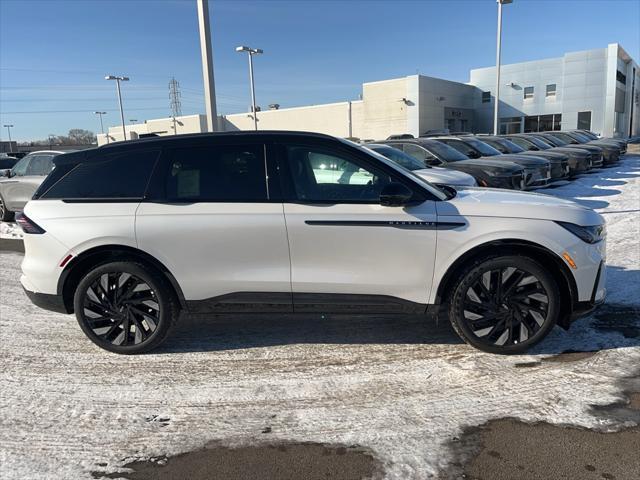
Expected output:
(598, 296)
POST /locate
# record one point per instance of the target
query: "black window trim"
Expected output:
(156, 187)
(420, 194)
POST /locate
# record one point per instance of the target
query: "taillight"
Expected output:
(27, 225)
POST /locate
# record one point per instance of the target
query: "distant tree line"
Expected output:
(76, 136)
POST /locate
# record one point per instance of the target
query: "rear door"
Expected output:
(215, 221)
(348, 252)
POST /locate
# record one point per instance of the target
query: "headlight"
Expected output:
(590, 234)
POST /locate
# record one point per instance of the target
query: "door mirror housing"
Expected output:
(5, 173)
(395, 195)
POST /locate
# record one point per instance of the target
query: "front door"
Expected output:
(348, 252)
(212, 222)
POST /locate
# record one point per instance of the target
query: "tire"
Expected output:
(115, 295)
(5, 215)
(507, 316)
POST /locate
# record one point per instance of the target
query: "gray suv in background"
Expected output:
(18, 184)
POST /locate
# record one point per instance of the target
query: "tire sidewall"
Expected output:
(469, 276)
(159, 286)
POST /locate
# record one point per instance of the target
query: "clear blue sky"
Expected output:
(54, 54)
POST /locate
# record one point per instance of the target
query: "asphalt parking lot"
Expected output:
(331, 397)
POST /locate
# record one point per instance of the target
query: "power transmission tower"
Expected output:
(174, 102)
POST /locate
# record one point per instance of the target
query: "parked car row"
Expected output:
(519, 161)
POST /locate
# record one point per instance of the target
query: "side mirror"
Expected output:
(533, 148)
(433, 161)
(5, 173)
(474, 155)
(395, 195)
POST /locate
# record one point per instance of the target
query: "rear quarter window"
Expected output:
(120, 175)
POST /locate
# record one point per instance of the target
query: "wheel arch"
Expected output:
(560, 271)
(81, 264)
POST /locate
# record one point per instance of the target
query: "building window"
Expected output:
(542, 123)
(486, 97)
(528, 92)
(510, 125)
(551, 90)
(584, 120)
(621, 77)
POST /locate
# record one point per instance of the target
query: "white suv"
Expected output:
(128, 235)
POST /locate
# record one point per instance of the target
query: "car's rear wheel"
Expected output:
(504, 304)
(5, 214)
(125, 307)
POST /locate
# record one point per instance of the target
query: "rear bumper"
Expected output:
(54, 303)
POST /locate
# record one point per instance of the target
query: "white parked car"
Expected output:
(129, 234)
(435, 175)
(18, 184)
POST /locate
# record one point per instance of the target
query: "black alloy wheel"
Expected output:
(125, 307)
(505, 304)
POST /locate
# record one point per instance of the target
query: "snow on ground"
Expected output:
(399, 386)
(10, 231)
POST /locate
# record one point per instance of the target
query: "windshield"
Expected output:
(581, 137)
(541, 142)
(549, 140)
(398, 156)
(565, 138)
(483, 148)
(590, 135)
(435, 191)
(513, 148)
(443, 152)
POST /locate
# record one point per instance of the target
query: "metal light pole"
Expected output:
(498, 51)
(9, 127)
(119, 79)
(207, 64)
(252, 52)
(101, 124)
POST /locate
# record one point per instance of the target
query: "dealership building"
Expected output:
(595, 89)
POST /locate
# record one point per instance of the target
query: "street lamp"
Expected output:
(498, 51)
(9, 127)
(119, 79)
(101, 124)
(252, 52)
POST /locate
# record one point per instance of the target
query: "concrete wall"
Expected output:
(333, 119)
(440, 100)
(161, 126)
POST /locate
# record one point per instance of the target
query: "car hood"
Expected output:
(486, 164)
(493, 202)
(448, 177)
(525, 160)
(546, 154)
(575, 152)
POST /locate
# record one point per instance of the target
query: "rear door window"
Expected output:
(116, 176)
(217, 173)
(40, 165)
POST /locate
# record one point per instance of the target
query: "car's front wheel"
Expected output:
(504, 304)
(125, 307)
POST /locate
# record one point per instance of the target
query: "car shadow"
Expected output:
(230, 332)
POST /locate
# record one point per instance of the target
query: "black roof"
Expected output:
(161, 141)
